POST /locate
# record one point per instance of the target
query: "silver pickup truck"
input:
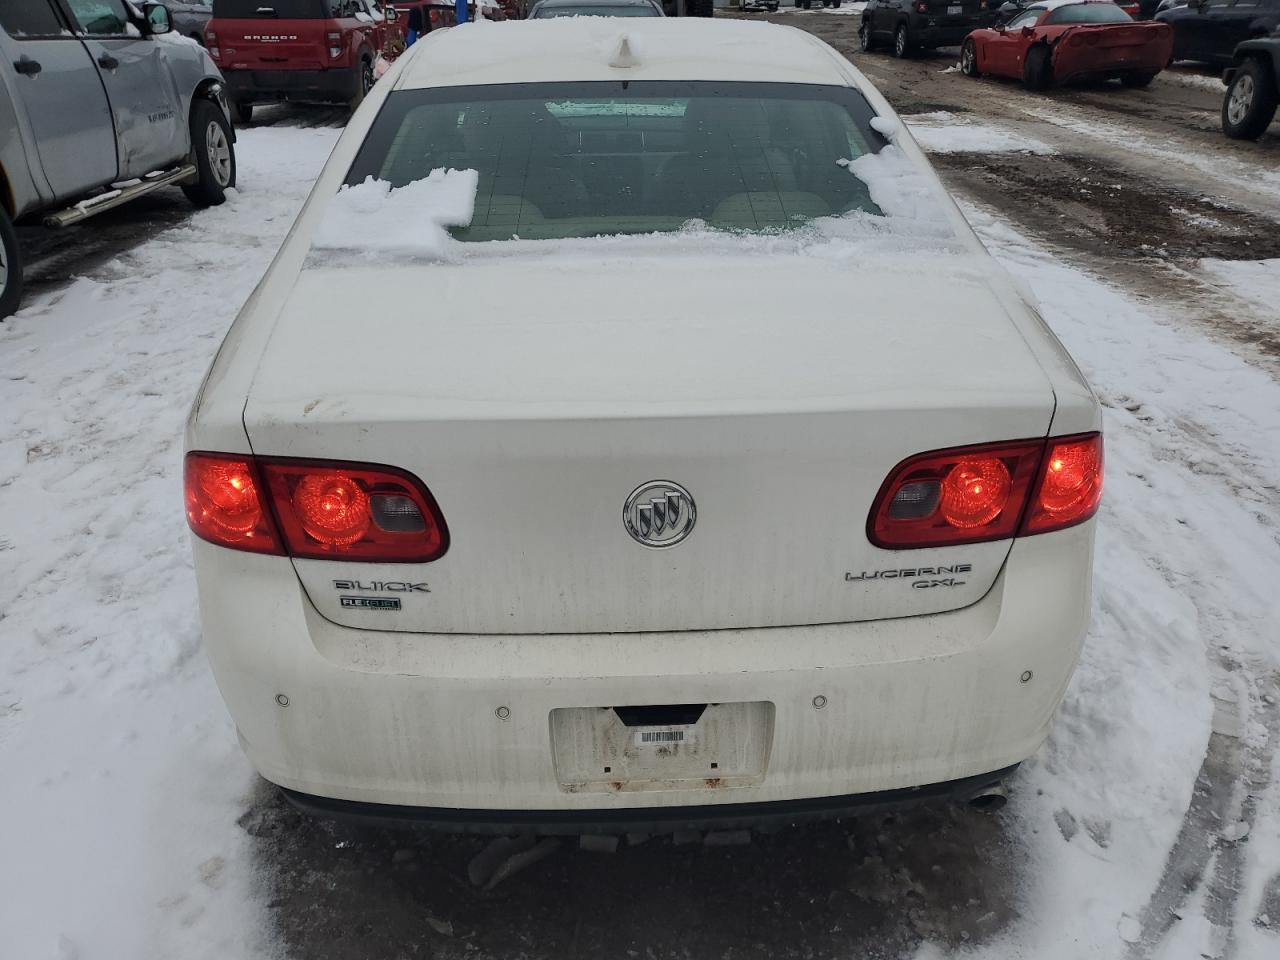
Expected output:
(100, 103)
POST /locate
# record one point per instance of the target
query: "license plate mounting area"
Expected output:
(681, 747)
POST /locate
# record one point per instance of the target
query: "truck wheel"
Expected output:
(365, 82)
(10, 267)
(241, 113)
(866, 42)
(1037, 71)
(215, 157)
(1250, 102)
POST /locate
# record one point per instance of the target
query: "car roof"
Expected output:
(593, 3)
(656, 48)
(1055, 4)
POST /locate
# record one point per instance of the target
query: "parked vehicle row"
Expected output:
(99, 106)
(1049, 42)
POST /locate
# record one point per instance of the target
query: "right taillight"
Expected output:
(988, 492)
(313, 509)
(1069, 488)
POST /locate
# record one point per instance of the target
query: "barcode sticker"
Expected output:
(664, 737)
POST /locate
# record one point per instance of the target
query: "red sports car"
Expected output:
(1054, 41)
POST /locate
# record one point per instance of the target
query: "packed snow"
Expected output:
(1257, 282)
(123, 779)
(943, 132)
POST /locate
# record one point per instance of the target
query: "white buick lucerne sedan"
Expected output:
(631, 432)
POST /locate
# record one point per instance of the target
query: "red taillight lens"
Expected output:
(313, 509)
(351, 511)
(978, 493)
(1070, 486)
(225, 505)
(332, 508)
(922, 7)
(975, 492)
(963, 495)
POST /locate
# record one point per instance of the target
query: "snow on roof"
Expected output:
(1055, 4)
(580, 48)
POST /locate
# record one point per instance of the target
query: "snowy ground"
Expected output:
(124, 786)
(123, 779)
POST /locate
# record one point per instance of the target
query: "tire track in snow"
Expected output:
(1213, 471)
(1234, 774)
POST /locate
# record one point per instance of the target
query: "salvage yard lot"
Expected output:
(1148, 827)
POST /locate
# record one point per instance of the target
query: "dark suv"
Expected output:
(1253, 88)
(910, 25)
(1208, 30)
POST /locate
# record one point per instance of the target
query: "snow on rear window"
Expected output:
(569, 160)
(797, 166)
(375, 219)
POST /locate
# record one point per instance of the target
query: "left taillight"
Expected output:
(225, 504)
(314, 509)
(988, 492)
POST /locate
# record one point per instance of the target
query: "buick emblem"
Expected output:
(659, 514)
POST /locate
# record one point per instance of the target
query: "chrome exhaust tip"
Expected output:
(989, 799)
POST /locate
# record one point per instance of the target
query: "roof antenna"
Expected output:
(623, 56)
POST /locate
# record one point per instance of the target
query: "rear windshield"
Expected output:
(588, 159)
(282, 9)
(547, 11)
(1088, 13)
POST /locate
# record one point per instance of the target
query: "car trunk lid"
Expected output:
(779, 393)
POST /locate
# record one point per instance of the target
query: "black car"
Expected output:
(910, 25)
(1253, 88)
(1208, 30)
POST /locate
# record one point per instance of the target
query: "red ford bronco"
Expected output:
(319, 50)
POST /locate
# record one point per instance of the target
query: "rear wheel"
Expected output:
(10, 267)
(364, 81)
(1250, 102)
(902, 42)
(1137, 81)
(241, 112)
(865, 41)
(214, 155)
(969, 59)
(1036, 71)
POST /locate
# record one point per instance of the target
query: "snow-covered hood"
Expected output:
(699, 335)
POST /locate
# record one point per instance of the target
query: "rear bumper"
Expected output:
(329, 86)
(654, 820)
(1070, 63)
(463, 722)
(947, 31)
